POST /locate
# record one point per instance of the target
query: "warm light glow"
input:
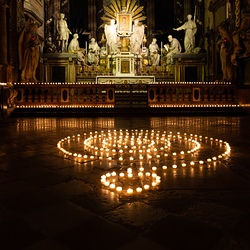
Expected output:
(130, 191)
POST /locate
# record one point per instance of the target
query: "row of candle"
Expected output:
(139, 139)
(119, 149)
(67, 106)
(193, 105)
(110, 180)
(83, 83)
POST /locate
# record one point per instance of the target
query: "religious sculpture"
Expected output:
(226, 49)
(93, 52)
(49, 47)
(154, 52)
(173, 49)
(74, 44)
(137, 37)
(111, 35)
(28, 45)
(237, 47)
(190, 31)
(124, 25)
(63, 33)
(75, 48)
(245, 28)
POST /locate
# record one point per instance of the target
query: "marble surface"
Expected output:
(49, 202)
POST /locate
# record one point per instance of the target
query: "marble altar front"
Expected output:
(125, 79)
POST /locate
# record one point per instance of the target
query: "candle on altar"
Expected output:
(161, 47)
(86, 46)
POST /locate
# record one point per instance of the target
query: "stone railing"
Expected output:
(195, 94)
(158, 94)
(64, 95)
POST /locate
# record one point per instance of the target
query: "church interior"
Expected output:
(124, 124)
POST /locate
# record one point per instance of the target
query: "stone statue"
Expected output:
(111, 35)
(74, 44)
(62, 34)
(190, 31)
(75, 48)
(173, 49)
(237, 47)
(245, 28)
(80, 56)
(226, 48)
(154, 52)
(93, 52)
(137, 37)
(28, 45)
(49, 47)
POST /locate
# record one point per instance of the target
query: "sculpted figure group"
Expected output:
(29, 44)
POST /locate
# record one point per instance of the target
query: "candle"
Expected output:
(161, 47)
(86, 46)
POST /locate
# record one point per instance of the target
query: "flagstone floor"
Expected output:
(48, 201)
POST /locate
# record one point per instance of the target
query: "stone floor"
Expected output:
(49, 202)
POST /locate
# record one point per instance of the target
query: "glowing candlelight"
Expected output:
(130, 191)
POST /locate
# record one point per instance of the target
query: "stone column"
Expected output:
(3, 36)
(92, 25)
(150, 14)
(188, 8)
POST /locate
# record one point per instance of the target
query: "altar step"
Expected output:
(131, 99)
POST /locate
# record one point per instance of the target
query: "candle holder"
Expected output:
(86, 64)
(96, 63)
(142, 63)
(162, 68)
(152, 66)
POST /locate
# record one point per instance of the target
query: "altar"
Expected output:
(125, 79)
(125, 64)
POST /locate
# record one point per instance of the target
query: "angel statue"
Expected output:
(28, 46)
(111, 35)
(137, 37)
(190, 31)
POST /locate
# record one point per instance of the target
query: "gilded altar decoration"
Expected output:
(124, 23)
(118, 20)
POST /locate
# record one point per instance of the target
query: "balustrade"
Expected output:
(66, 94)
(109, 95)
(192, 94)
